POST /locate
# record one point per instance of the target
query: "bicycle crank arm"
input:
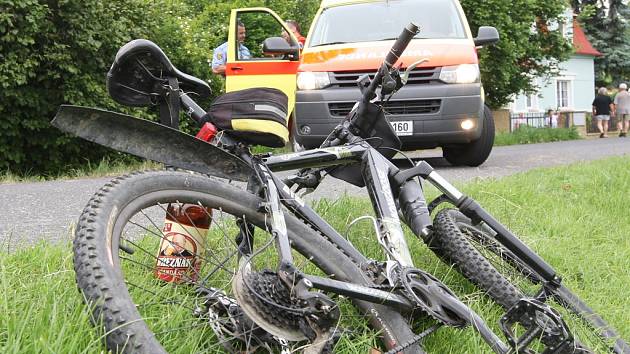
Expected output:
(150, 140)
(355, 291)
(388, 298)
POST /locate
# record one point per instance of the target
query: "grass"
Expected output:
(574, 216)
(105, 167)
(531, 135)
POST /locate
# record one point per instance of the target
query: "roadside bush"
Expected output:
(56, 52)
(531, 135)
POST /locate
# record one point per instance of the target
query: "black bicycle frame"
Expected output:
(386, 183)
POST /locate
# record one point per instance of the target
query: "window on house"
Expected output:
(532, 101)
(563, 94)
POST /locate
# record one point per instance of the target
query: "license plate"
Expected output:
(403, 127)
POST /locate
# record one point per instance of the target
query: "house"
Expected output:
(572, 90)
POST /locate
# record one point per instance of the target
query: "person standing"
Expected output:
(219, 56)
(295, 28)
(602, 108)
(553, 118)
(622, 110)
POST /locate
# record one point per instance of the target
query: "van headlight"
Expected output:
(309, 80)
(460, 74)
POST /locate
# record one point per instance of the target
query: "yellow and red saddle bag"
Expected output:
(256, 116)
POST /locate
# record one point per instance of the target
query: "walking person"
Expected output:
(622, 110)
(602, 108)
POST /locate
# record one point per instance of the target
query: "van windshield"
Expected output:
(376, 21)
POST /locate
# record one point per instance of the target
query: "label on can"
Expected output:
(179, 258)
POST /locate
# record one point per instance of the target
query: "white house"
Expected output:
(573, 89)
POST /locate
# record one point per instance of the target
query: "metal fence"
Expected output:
(591, 124)
(532, 119)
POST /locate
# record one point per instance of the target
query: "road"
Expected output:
(48, 210)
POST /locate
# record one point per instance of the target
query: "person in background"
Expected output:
(622, 110)
(219, 56)
(553, 118)
(602, 108)
(295, 28)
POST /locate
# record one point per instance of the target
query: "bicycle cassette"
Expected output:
(267, 302)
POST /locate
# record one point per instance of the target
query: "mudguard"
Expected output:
(150, 140)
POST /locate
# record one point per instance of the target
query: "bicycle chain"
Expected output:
(417, 338)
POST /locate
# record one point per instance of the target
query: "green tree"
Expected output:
(54, 52)
(529, 46)
(606, 26)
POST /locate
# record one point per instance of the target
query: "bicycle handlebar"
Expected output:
(363, 121)
(401, 44)
(392, 57)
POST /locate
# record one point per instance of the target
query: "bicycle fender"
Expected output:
(150, 140)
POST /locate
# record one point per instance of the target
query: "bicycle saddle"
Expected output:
(139, 72)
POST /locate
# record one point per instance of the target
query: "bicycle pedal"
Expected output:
(539, 323)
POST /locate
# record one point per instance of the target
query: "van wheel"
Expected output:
(294, 145)
(474, 153)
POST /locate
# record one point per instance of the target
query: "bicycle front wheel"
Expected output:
(124, 258)
(479, 257)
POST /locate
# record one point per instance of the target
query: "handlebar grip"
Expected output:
(401, 43)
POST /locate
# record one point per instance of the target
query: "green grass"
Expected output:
(105, 167)
(531, 135)
(575, 217)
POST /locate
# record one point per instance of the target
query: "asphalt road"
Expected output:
(48, 210)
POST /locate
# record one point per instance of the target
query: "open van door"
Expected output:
(268, 60)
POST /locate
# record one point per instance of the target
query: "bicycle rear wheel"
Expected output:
(116, 251)
(479, 257)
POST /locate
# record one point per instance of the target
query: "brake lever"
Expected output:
(405, 76)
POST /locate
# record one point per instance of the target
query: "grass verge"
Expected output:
(105, 167)
(531, 135)
(575, 217)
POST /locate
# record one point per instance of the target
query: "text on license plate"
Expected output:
(403, 127)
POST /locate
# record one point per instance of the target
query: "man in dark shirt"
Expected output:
(602, 107)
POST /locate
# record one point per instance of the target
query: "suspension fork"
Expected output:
(476, 212)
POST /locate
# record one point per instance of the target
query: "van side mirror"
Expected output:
(486, 35)
(279, 46)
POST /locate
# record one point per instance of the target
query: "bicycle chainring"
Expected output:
(433, 297)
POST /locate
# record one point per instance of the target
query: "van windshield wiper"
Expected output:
(329, 43)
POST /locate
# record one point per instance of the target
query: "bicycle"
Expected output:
(248, 296)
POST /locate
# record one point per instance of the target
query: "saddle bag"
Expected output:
(256, 116)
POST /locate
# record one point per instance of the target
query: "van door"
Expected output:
(247, 66)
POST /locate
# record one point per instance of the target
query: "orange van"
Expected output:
(442, 103)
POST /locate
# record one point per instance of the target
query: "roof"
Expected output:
(581, 44)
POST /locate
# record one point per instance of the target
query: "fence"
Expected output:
(532, 119)
(591, 124)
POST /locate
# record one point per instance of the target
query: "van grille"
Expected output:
(418, 76)
(397, 107)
